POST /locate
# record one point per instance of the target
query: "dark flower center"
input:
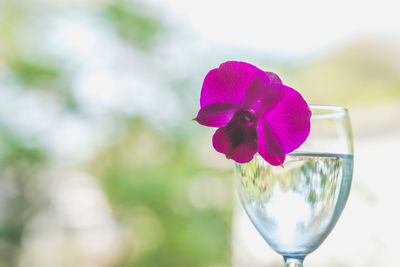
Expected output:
(242, 128)
(245, 117)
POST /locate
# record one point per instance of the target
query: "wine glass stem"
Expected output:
(293, 262)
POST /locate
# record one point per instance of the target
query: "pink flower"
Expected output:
(254, 112)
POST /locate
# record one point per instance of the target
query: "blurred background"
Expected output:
(101, 164)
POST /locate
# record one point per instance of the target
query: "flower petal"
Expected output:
(274, 78)
(288, 121)
(272, 95)
(216, 114)
(272, 143)
(236, 141)
(255, 91)
(244, 152)
(229, 83)
(264, 145)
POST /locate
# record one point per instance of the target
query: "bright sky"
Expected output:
(287, 27)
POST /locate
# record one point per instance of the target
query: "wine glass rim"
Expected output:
(327, 111)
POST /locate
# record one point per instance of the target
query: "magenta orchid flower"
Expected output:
(254, 112)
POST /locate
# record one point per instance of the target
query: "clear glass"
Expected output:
(295, 206)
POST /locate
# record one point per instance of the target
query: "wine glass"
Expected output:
(295, 206)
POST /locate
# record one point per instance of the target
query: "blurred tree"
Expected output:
(363, 72)
(135, 23)
(21, 193)
(148, 174)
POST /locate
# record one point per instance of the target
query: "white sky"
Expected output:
(287, 27)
